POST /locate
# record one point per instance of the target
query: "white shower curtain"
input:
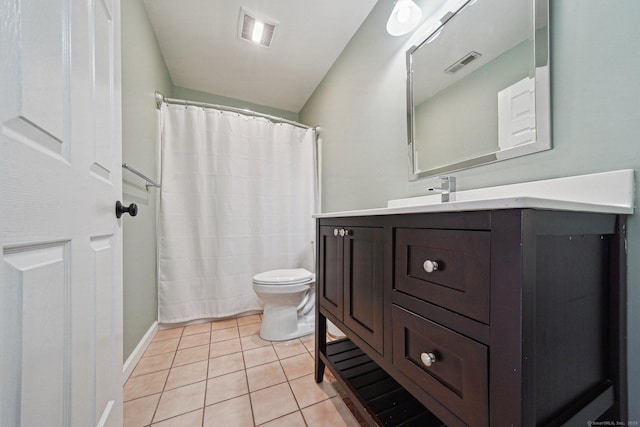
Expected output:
(236, 199)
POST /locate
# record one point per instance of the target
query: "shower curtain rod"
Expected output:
(160, 98)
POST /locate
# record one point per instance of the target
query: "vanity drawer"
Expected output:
(458, 371)
(461, 281)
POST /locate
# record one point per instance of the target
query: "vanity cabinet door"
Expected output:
(363, 284)
(350, 279)
(330, 271)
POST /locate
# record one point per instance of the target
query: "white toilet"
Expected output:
(289, 299)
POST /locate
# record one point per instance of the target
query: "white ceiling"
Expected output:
(200, 42)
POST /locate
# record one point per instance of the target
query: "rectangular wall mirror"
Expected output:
(478, 85)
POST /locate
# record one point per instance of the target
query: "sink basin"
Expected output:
(607, 189)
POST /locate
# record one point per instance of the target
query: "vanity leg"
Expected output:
(320, 344)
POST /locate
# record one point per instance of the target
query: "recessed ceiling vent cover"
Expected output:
(463, 62)
(256, 29)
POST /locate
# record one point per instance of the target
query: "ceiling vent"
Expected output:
(256, 29)
(463, 62)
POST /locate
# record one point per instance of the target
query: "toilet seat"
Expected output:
(292, 276)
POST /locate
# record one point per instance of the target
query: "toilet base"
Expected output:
(281, 323)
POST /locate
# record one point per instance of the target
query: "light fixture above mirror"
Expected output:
(404, 17)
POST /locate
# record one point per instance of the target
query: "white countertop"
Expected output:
(608, 192)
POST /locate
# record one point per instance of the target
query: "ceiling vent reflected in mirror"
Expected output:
(463, 62)
(256, 29)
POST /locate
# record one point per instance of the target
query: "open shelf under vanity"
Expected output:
(378, 397)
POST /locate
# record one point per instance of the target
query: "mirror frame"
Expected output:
(541, 53)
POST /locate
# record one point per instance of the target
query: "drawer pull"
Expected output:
(430, 266)
(335, 232)
(428, 359)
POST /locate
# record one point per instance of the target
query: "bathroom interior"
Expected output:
(358, 102)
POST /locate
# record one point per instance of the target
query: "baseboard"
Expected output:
(137, 353)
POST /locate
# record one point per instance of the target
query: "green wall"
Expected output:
(595, 112)
(194, 95)
(143, 72)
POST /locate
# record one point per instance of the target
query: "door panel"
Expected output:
(60, 155)
(517, 114)
(103, 114)
(38, 297)
(104, 334)
(40, 48)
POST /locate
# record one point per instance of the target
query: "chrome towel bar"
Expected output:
(150, 182)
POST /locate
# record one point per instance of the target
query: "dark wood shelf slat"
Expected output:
(384, 401)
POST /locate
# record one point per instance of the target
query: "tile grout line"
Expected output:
(246, 377)
(186, 364)
(273, 385)
(206, 375)
(244, 370)
(291, 389)
(166, 379)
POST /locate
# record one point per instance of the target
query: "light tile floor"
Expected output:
(222, 373)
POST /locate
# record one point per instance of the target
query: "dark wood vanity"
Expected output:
(511, 317)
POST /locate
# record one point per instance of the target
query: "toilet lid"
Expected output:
(284, 277)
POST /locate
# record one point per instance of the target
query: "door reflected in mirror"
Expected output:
(478, 86)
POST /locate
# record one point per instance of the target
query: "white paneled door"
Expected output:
(60, 160)
(517, 114)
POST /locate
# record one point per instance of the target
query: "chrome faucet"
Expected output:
(447, 188)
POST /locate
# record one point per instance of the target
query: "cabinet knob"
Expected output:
(428, 359)
(342, 232)
(430, 266)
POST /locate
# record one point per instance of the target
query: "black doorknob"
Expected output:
(132, 209)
